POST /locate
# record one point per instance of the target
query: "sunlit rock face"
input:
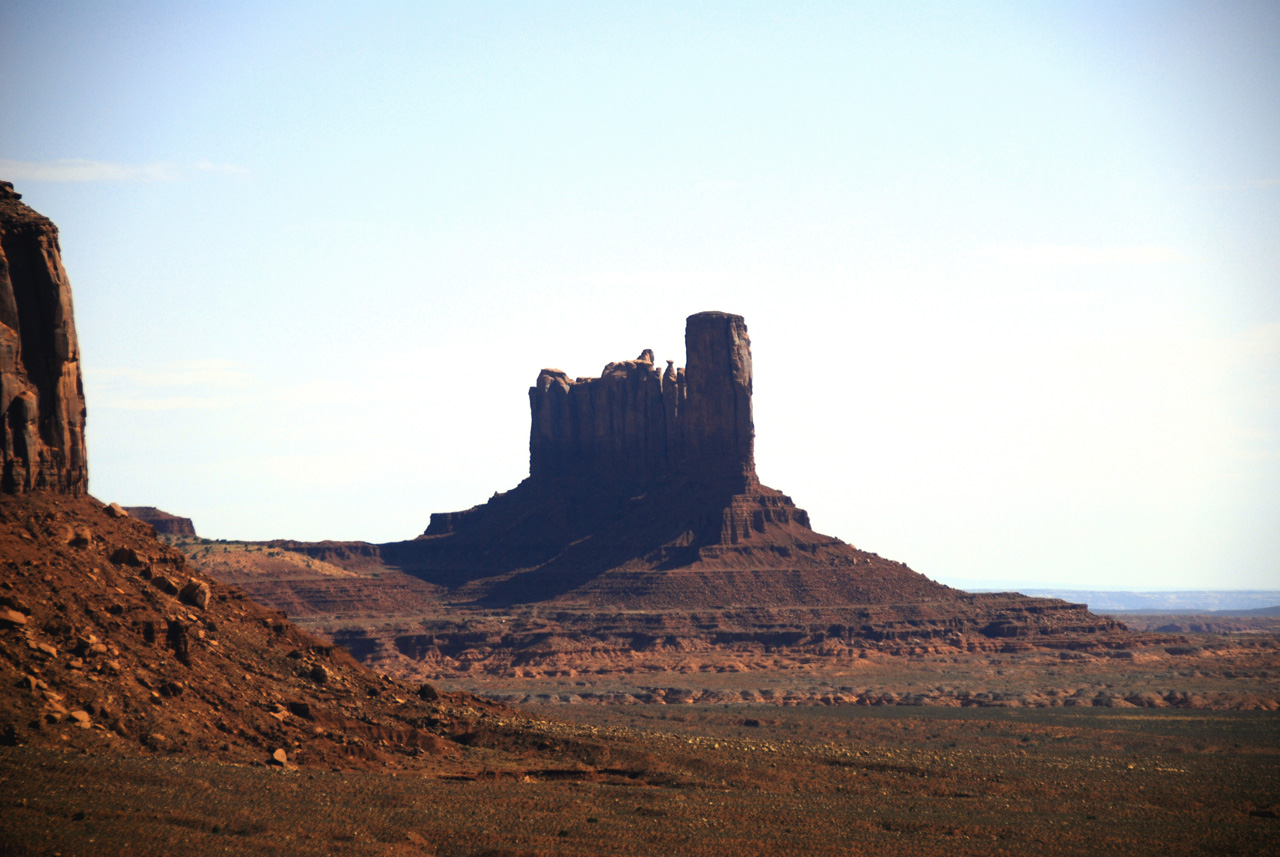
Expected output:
(41, 394)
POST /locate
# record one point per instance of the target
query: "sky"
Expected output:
(1011, 271)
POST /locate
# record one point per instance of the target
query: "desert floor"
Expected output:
(720, 780)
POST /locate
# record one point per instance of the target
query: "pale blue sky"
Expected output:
(1010, 270)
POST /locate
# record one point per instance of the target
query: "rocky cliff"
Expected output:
(41, 396)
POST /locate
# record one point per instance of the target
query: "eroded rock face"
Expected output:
(41, 394)
(635, 426)
(719, 434)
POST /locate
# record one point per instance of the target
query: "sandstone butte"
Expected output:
(642, 507)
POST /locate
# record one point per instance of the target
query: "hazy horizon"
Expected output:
(1009, 269)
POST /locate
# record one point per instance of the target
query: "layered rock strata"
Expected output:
(42, 411)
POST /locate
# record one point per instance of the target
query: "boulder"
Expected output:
(11, 618)
(196, 593)
(126, 556)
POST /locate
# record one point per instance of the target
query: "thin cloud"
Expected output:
(83, 170)
(1076, 254)
(179, 386)
(1253, 184)
(164, 403)
(217, 373)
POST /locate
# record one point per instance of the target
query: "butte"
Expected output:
(642, 508)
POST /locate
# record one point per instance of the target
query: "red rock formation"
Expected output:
(41, 395)
(719, 435)
(163, 522)
(642, 489)
(642, 518)
(635, 426)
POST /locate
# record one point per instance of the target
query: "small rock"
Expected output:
(195, 593)
(300, 709)
(82, 719)
(279, 757)
(319, 674)
(428, 693)
(164, 584)
(14, 603)
(115, 510)
(81, 537)
(47, 649)
(126, 556)
(179, 640)
(10, 618)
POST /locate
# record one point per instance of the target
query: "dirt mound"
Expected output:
(109, 639)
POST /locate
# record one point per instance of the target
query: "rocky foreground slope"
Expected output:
(108, 639)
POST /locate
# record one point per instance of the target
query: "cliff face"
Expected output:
(635, 426)
(41, 395)
(718, 432)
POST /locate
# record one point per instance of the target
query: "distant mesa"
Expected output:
(163, 523)
(42, 412)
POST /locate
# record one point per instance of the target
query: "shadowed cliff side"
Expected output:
(42, 409)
